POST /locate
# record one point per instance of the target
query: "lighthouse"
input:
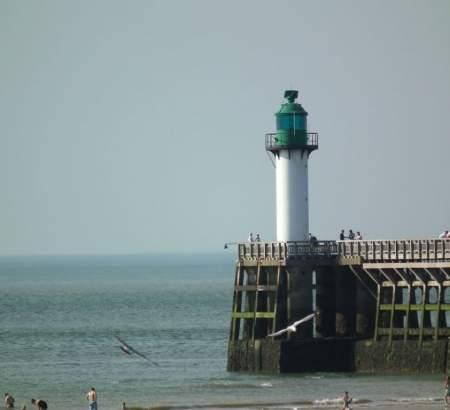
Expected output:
(291, 146)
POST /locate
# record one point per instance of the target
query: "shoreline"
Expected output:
(432, 403)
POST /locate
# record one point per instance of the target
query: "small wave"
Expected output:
(338, 401)
(300, 404)
(415, 400)
(235, 385)
(231, 385)
(325, 402)
(237, 405)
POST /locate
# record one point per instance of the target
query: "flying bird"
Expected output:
(293, 327)
(126, 348)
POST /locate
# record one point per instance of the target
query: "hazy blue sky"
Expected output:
(138, 126)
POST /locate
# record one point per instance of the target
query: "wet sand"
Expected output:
(400, 406)
(432, 405)
(383, 406)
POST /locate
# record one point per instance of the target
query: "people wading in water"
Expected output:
(347, 400)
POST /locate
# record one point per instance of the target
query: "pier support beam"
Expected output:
(365, 310)
(345, 302)
(325, 302)
(300, 303)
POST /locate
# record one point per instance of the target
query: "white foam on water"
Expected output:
(325, 402)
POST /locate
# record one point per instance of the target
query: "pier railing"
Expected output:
(287, 250)
(396, 250)
(369, 251)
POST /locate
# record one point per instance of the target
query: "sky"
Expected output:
(138, 126)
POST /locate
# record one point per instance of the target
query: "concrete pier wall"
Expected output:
(339, 355)
(261, 355)
(400, 356)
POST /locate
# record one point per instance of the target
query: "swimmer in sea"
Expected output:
(40, 404)
(9, 401)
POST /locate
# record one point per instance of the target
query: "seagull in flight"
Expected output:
(293, 327)
(126, 348)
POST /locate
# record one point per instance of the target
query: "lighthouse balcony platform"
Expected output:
(307, 141)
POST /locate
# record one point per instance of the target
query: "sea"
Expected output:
(60, 316)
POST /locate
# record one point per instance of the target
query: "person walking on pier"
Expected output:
(347, 400)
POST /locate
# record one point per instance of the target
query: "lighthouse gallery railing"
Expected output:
(308, 140)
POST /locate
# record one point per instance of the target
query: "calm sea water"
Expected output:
(59, 317)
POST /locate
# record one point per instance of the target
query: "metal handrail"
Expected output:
(368, 250)
(396, 250)
(286, 250)
(310, 143)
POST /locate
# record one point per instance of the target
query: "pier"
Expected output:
(382, 306)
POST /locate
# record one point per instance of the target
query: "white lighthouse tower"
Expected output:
(291, 146)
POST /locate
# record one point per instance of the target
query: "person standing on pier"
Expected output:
(351, 235)
(358, 236)
(342, 235)
(258, 238)
(250, 237)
